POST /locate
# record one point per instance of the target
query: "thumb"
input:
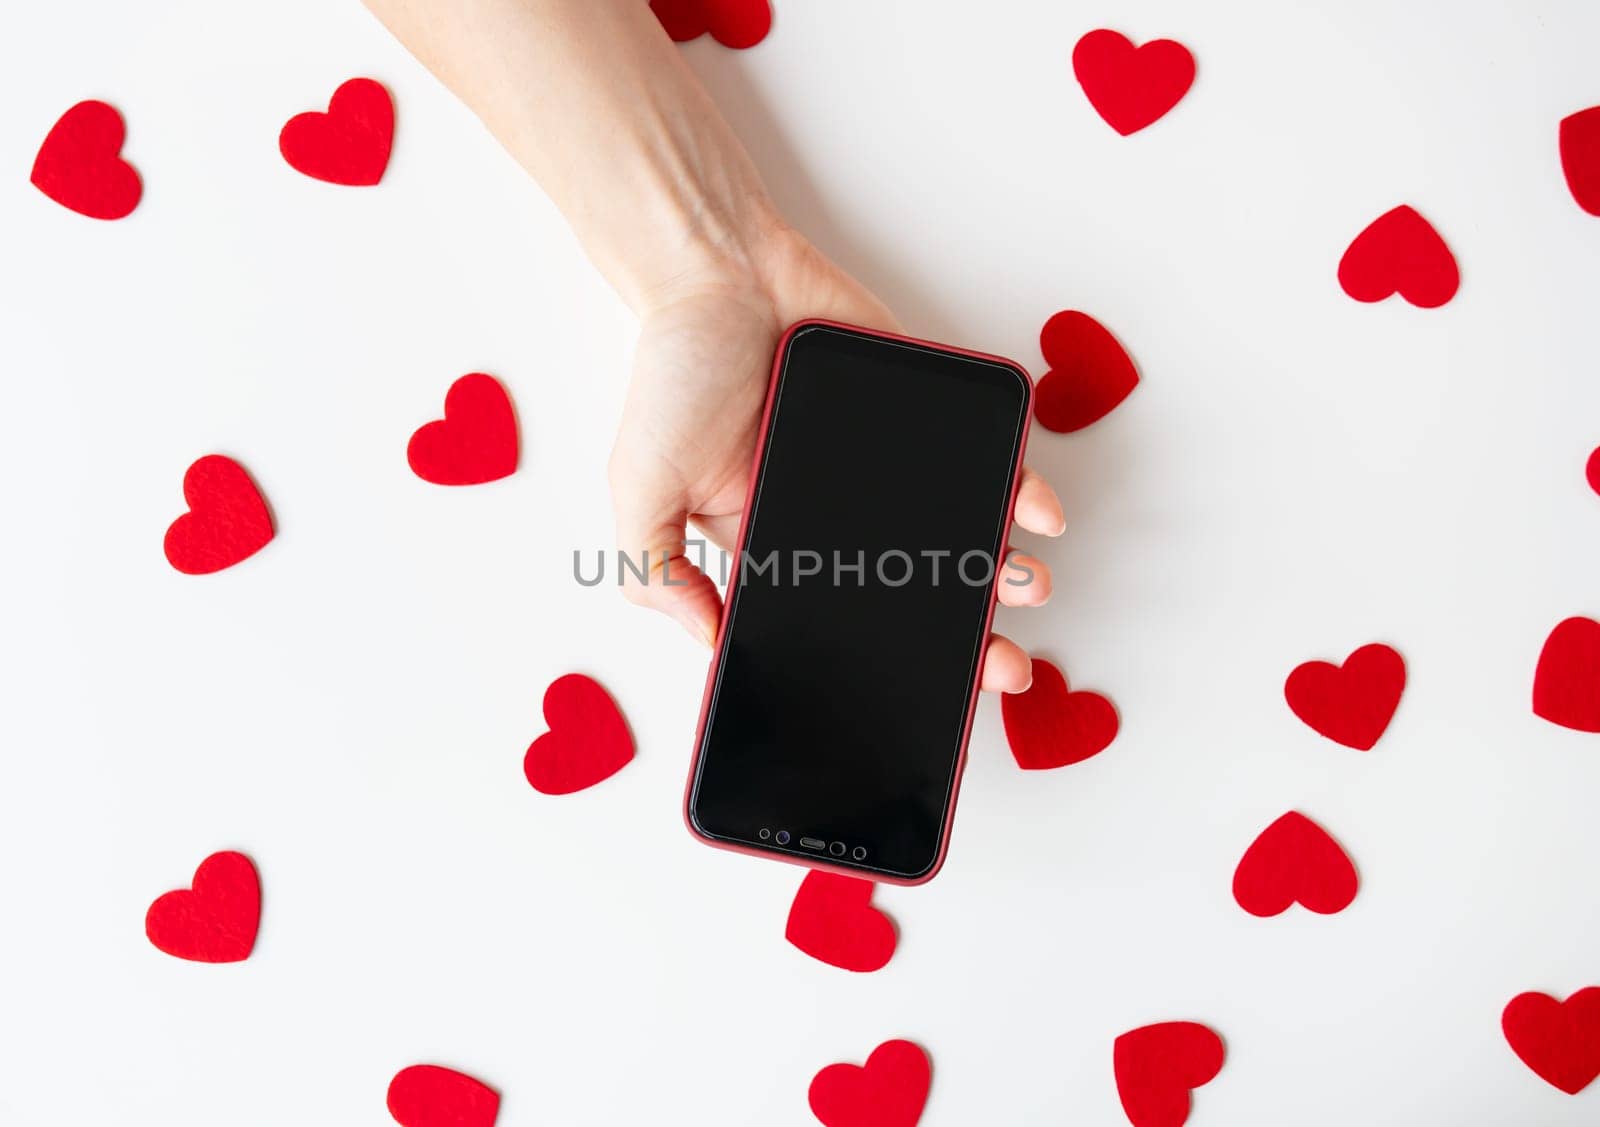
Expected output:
(656, 571)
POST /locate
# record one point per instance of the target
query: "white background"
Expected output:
(1296, 475)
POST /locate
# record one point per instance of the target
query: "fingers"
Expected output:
(1024, 581)
(1038, 508)
(664, 579)
(654, 570)
(1006, 666)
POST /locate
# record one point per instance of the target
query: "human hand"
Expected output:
(689, 425)
(602, 108)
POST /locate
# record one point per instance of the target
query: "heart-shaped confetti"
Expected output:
(1049, 726)
(227, 519)
(1560, 1041)
(80, 163)
(732, 23)
(1566, 684)
(1400, 253)
(1089, 374)
(1131, 87)
(587, 743)
(349, 144)
(427, 1095)
(475, 442)
(832, 920)
(1292, 860)
(1157, 1066)
(1580, 157)
(1352, 703)
(888, 1091)
(1593, 470)
(214, 920)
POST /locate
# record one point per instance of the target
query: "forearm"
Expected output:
(594, 100)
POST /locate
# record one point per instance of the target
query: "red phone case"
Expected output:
(744, 528)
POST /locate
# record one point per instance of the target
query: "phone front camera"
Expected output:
(782, 837)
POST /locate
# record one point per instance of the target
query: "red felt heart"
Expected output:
(1048, 726)
(1566, 684)
(832, 919)
(1351, 703)
(475, 442)
(1131, 87)
(1294, 859)
(426, 1095)
(1594, 470)
(347, 145)
(1400, 252)
(80, 164)
(1090, 373)
(1156, 1067)
(588, 740)
(1580, 157)
(1560, 1041)
(214, 920)
(227, 519)
(732, 23)
(888, 1091)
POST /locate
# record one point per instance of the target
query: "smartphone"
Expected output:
(840, 697)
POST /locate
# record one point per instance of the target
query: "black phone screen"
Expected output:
(857, 613)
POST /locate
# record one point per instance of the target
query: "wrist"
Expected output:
(710, 249)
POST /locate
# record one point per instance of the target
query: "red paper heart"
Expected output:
(888, 1091)
(347, 145)
(732, 23)
(1580, 157)
(214, 920)
(475, 442)
(1090, 373)
(1048, 726)
(1294, 859)
(1560, 1041)
(426, 1095)
(1400, 252)
(1594, 470)
(227, 519)
(1131, 87)
(1566, 684)
(80, 164)
(1351, 703)
(588, 740)
(1158, 1065)
(832, 919)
